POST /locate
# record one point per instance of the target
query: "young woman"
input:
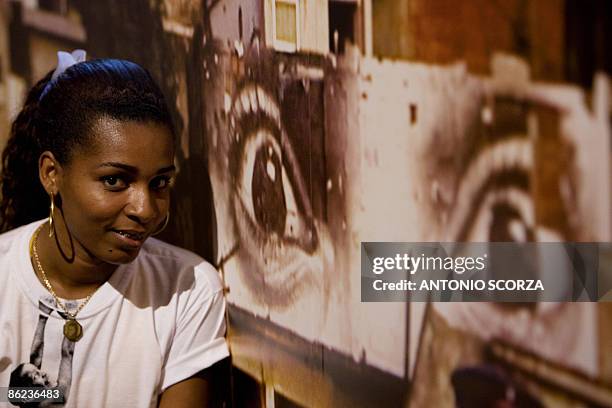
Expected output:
(89, 303)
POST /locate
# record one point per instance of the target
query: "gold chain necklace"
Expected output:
(72, 329)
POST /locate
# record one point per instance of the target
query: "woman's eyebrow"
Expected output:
(123, 166)
(132, 169)
(166, 169)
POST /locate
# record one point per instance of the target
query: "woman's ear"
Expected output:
(49, 172)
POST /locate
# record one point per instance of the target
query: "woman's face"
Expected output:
(116, 192)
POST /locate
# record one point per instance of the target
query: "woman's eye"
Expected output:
(113, 182)
(161, 183)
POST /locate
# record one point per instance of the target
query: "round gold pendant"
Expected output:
(73, 330)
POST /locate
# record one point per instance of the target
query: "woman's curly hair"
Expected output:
(58, 116)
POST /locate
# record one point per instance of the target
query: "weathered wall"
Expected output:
(446, 31)
(5, 96)
(238, 20)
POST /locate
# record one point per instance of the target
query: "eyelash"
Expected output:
(106, 180)
(167, 180)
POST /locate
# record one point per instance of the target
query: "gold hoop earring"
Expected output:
(159, 231)
(51, 213)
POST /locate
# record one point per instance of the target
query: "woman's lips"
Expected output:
(130, 238)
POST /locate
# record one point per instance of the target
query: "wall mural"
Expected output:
(283, 247)
(436, 154)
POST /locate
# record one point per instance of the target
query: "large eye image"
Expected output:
(508, 186)
(266, 193)
(280, 241)
(497, 185)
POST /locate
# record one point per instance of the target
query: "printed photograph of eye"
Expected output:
(506, 187)
(266, 194)
(498, 196)
(279, 237)
(497, 184)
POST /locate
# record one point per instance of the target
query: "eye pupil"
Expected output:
(267, 191)
(161, 183)
(507, 225)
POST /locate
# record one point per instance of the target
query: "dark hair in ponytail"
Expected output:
(61, 120)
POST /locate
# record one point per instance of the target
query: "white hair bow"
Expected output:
(64, 61)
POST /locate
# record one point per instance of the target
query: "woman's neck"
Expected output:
(71, 270)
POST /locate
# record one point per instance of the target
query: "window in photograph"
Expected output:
(55, 6)
(286, 25)
(342, 24)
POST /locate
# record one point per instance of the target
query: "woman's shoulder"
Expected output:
(9, 238)
(176, 264)
(155, 248)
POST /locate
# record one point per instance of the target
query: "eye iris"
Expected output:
(506, 224)
(267, 191)
(111, 181)
(159, 183)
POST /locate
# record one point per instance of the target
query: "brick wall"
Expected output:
(445, 31)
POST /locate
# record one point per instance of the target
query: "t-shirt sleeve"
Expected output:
(198, 340)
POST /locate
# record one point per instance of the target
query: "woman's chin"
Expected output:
(121, 255)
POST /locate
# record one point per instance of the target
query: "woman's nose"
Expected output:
(142, 206)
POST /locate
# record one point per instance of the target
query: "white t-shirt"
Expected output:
(158, 320)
